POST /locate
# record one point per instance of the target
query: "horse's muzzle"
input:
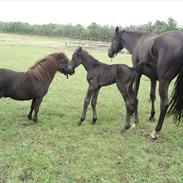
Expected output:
(70, 70)
(110, 54)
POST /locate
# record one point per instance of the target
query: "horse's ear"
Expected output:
(117, 30)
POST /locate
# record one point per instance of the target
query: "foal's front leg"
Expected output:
(86, 103)
(93, 104)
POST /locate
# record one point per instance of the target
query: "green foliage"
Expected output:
(93, 32)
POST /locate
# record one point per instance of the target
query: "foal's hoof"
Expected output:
(35, 120)
(151, 119)
(134, 126)
(79, 123)
(124, 129)
(153, 135)
(29, 117)
(94, 121)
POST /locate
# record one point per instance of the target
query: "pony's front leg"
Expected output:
(29, 116)
(93, 104)
(36, 108)
(86, 103)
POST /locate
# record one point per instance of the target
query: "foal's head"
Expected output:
(76, 60)
(116, 44)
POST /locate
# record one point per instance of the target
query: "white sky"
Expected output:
(84, 12)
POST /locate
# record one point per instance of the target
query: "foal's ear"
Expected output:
(79, 50)
(117, 30)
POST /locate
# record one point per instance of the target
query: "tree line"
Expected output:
(92, 32)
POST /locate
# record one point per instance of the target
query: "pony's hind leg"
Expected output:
(93, 104)
(36, 108)
(86, 103)
(29, 116)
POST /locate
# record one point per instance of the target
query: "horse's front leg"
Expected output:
(36, 108)
(86, 103)
(163, 92)
(153, 98)
(93, 104)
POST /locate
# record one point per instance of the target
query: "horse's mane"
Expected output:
(44, 69)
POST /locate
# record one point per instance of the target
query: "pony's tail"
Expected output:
(176, 98)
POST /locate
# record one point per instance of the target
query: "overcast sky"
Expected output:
(84, 12)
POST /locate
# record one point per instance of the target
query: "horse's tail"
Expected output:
(176, 99)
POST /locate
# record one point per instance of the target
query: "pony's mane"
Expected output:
(44, 69)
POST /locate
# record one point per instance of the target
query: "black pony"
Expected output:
(160, 57)
(34, 83)
(100, 74)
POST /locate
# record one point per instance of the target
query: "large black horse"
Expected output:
(160, 57)
(34, 83)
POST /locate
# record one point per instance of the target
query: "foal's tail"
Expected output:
(176, 99)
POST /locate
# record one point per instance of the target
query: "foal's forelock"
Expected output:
(45, 69)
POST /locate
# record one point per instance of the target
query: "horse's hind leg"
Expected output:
(93, 104)
(36, 108)
(86, 103)
(31, 110)
(163, 91)
(153, 98)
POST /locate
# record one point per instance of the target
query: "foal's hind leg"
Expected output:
(129, 111)
(93, 104)
(86, 103)
(36, 108)
(31, 110)
(134, 102)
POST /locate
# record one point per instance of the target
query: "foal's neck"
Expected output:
(89, 62)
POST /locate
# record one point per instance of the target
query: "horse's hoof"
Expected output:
(134, 126)
(153, 135)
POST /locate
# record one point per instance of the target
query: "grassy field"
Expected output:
(56, 150)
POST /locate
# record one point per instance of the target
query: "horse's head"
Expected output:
(75, 61)
(63, 63)
(116, 44)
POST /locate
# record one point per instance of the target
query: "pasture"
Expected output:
(57, 150)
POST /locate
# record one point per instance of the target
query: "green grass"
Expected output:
(56, 150)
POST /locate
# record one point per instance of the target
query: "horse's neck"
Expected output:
(89, 62)
(130, 40)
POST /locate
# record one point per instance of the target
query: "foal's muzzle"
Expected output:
(70, 70)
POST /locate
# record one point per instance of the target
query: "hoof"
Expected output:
(79, 123)
(124, 129)
(35, 120)
(94, 121)
(153, 135)
(134, 126)
(152, 119)
(29, 117)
